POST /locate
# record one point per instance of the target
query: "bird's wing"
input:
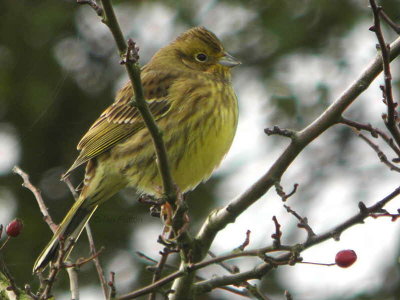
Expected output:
(121, 120)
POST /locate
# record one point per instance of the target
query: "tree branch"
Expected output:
(218, 219)
(262, 269)
(133, 69)
(36, 192)
(392, 117)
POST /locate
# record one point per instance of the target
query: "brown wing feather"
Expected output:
(121, 120)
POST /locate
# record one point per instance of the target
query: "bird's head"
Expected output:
(198, 49)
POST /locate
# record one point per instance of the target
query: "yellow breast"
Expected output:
(198, 132)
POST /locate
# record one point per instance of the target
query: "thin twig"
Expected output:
(281, 192)
(375, 132)
(303, 222)
(282, 132)
(55, 268)
(271, 263)
(93, 252)
(93, 4)
(389, 21)
(246, 241)
(82, 261)
(193, 267)
(111, 284)
(159, 268)
(36, 192)
(231, 269)
(28, 290)
(391, 120)
(255, 292)
(73, 283)
(261, 270)
(383, 158)
(278, 233)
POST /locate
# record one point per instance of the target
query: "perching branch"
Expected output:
(129, 54)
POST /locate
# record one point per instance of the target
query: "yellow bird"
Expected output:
(187, 85)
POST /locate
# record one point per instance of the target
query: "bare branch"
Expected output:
(93, 4)
(281, 192)
(278, 233)
(73, 283)
(246, 241)
(303, 222)
(392, 116)
(36, 192)
(270, 263)
(55, 269)
(229, 268)
(383, 158)
(282, 132)
(389, 21)
(111, 284)
(218, 219)
(93, 251)
(375, 132)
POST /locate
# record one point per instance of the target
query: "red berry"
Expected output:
(345, 258)
(14, 228)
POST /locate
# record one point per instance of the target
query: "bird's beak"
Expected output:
(228, 61)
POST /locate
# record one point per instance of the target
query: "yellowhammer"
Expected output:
(188, 88)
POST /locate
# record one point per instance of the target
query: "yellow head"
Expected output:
(197, 49)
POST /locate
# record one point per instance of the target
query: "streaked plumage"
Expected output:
(195, 107)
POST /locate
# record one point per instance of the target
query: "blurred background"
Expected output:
(59, 70)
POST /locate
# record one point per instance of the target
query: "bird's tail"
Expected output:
(68, 231)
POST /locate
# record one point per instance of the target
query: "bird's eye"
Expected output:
(201, 57)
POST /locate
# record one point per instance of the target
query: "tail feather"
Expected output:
(69, 231)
